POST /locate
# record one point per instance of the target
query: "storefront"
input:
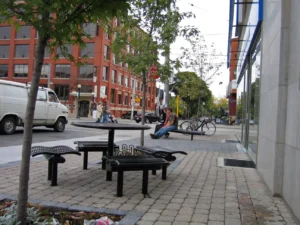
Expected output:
(247, 28)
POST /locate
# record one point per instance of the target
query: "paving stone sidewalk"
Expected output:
(196, 191)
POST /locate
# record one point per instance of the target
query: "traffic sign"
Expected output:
(137, 99)
(154, 73)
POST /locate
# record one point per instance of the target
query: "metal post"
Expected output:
(49, 75)
(78, 104)
(133, 97)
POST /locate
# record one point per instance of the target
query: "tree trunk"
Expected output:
(143, 107)
(27, 138)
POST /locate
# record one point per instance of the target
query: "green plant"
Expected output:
(33, 217)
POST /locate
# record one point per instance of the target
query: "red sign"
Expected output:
(154, 73)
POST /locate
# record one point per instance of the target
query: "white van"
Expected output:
(48, 112)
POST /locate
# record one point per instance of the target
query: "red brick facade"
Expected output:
(117, 104)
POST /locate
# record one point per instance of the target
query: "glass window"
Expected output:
(126, 100)
(120, 79)
(86, 71)
(112, 95)
(240, 107)
(120, 99)
(136, 85)
(105, 73)
(107, 32)
(113, 76)
(67, 48)
(45, 71)
(62, 91)
(113, 58)
(21, 71)
(22, 51)
(116, 22)
(132, 83)
(23, 32)
(41, 95)
(62, 71)
(106, 52)
(115, 35)
(90, 29)
(52, 97)
(5, 32)
(3, 71)
(86, 88)
(126, 81)
(4, 51)
(88, 50)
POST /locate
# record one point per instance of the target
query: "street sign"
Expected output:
(154, 73)
(132, 101)
(137, 99)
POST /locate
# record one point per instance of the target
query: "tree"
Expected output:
(149, 30)
(191, 90)
(202, 58)
(58, 23)
(220, 106)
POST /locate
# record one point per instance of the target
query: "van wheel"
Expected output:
(8, 125)
(59, 125)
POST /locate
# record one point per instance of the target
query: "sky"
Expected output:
(212, 19)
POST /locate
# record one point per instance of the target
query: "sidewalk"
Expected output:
(196, 191)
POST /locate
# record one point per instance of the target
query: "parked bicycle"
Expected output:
(195, 124)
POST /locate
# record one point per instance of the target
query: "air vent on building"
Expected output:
(23, 56)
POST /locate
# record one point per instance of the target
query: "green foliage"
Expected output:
(33, 217)
(192, 90)
(219, 107)
(59, 22)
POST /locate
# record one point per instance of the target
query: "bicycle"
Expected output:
(208, 128)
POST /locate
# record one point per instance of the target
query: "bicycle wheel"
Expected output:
(209, 129)
(184, 125)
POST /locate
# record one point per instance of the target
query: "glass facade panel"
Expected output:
(62, 71)
(22, 51)
(240, 108)
(23, 32)
(90, 29)
(88, 50)
(3, 71)
(62, 91)
(21, 71)
(5, 32)
(86, 72)
(68, 49)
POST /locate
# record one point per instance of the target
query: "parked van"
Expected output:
(48, 112)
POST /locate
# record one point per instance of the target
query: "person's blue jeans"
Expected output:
(105, 118)
(162, 131)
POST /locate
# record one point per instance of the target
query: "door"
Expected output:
(53, 109)
(84, 107)
(40, 113)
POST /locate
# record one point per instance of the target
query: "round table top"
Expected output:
(111, 126)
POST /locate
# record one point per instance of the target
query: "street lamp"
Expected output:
(78, 98)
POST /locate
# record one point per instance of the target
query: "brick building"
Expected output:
(101, 77)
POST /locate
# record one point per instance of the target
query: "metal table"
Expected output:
(111, 127)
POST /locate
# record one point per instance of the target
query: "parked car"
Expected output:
(127, 115)
(149, 118)
(48, 112)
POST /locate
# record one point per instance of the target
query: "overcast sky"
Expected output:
(212, 18)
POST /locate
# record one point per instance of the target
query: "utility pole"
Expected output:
(49, 74)
(133, 99)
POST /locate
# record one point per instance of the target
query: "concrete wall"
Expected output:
(279, 128)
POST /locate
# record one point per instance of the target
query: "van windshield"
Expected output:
(52, 97)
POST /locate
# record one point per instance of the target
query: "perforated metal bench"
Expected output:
(93, 146)
(135, 163)
(54, 156)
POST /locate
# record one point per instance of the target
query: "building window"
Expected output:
(106, 52)
(21, 71)
(22, 51)
(62, 91)
(3, 71)
(116, 22)
(132, 83)
(90, 29)
(120, 79)
(120, 99)
(5, 32)
(126, 81)
(46, 53)
(23, 32)
(105, 73)
(136, 85)
(67, 49)
(115, 35)
(4, 51)
(45, 71)
(62, 71)
(112, 95)
(88, 50)
(86, 72)
(126, 100)
(107, 32)
(113, 76)
(148, 103)
(86, 89)
(113, 58)
(149, 90)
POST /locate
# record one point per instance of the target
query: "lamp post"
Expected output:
(78, 98)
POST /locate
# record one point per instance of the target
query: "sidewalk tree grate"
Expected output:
(239, 163)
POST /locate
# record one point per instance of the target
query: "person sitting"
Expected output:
(170, 124)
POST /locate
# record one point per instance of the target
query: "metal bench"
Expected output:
(192, 133)
(92, 146)
(135, 163)
(54, 156)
